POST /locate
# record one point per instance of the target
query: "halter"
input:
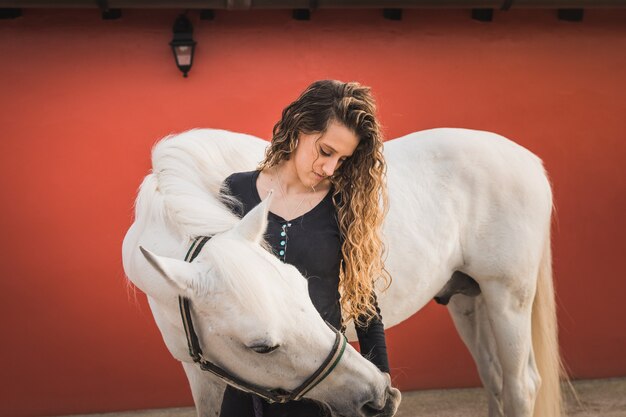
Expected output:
(277, 395)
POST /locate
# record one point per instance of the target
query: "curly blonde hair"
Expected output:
(360, 193)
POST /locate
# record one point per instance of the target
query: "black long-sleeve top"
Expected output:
(312, 243)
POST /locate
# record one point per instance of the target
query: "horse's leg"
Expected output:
(207, 390)
(470, 318)
(509, 306)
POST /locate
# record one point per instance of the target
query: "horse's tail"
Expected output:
(549, 402)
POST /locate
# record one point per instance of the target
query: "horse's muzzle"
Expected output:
(386, 408)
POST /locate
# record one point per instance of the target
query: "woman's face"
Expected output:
(317, 158)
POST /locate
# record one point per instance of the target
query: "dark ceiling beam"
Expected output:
(572, 15)
(107, 12)
(10, 13)
(482, 15)
(301, 14)
(320, 4)
(392, 14)
(237, 4)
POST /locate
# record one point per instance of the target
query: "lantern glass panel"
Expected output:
(183, 54)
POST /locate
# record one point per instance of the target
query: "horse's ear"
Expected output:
(253, 225)
(179, 273)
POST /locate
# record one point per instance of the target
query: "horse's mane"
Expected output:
(183, 192)
(183, 189)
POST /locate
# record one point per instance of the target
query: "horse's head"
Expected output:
(255, 320)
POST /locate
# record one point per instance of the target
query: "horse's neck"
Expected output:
(169, 321)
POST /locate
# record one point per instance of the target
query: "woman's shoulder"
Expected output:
(237, 191)
(241, 176)
(237, 180)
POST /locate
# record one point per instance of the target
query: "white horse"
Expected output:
(468, 224)
(255, 325)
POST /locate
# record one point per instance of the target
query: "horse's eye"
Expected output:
(264, 348)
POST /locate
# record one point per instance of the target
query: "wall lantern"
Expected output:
(183, 44)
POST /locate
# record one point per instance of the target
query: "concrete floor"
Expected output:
(598, 398)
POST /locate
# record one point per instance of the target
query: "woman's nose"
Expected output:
(329, 168)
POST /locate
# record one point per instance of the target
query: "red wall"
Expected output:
(82, 101)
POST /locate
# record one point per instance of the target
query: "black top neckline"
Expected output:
(255, 194)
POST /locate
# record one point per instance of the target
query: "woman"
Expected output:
(326, 166)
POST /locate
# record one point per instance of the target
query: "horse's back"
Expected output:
(443, 149)
(462, 163)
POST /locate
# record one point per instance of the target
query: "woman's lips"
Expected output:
(320, 177)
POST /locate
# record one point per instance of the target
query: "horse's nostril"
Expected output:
(372, 409)
(383, 407)
(393, 393)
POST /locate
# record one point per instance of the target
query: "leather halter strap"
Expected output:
(274, 395)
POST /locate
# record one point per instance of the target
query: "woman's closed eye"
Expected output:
(323, 152)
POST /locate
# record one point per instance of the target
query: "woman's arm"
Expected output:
(372, 340)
